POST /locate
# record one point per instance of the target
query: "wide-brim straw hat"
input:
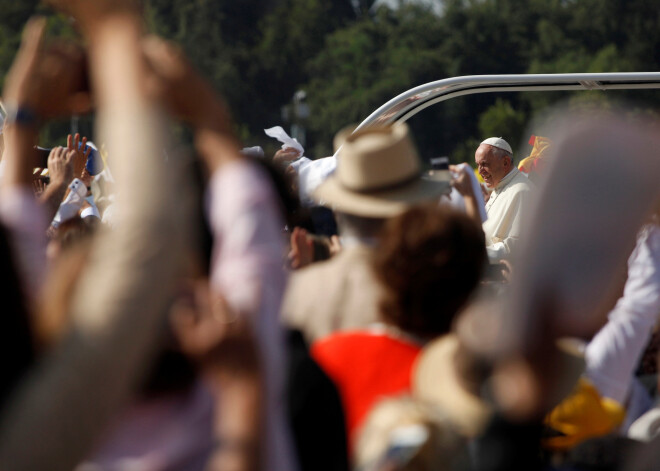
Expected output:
(378, 174)
(435, 380)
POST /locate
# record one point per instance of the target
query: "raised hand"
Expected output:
(39, 186)
(60, 165)
(173, 81)
(20, 83)
(48, 81)
(60, 169)
(82, 152)
(461, 180)
(285, 156)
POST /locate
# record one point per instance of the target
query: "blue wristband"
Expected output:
(22, 116)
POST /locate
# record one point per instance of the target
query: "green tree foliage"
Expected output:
(369, 62)
(351, 57)
(293, 34)
(501, 120)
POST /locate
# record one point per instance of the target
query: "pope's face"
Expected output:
(491, 167)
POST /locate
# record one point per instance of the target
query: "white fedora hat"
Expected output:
(378, 174)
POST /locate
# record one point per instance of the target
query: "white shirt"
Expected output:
(506, 210)
(613, 354)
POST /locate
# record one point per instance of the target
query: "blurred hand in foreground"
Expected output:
(212, 333)
(173, 81)
(222, 341)
(48, 80)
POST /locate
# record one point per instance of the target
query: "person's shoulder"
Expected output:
(310, 279)
(521, 183)
(242, 179)
(323, 280)
(346, 258)
(321, 267)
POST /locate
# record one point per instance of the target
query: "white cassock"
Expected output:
(506, 208)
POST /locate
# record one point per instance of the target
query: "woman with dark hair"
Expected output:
(429, 260)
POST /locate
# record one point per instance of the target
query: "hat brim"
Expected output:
(435, 380)
(572, 366)
(380, 204)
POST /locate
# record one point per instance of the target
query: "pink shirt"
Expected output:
(247, 269)
(159, 434)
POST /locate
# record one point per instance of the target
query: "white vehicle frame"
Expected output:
(406, 105)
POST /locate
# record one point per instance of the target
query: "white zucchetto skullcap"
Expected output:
(499, 143)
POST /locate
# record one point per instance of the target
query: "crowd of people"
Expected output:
(219, 309)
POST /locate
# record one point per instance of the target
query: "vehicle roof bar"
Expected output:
(411, 102)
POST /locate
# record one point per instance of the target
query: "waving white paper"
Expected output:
(280, 134)
(476, 188)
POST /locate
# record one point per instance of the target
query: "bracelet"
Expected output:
(22, 115)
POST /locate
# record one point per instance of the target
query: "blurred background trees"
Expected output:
(350, 56)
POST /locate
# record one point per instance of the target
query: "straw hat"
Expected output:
(435, 379)
(378, 174)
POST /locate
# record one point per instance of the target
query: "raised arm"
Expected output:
(191, 98)
(44, 82)
(463, 185)
(118, 305)
(246, 266)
